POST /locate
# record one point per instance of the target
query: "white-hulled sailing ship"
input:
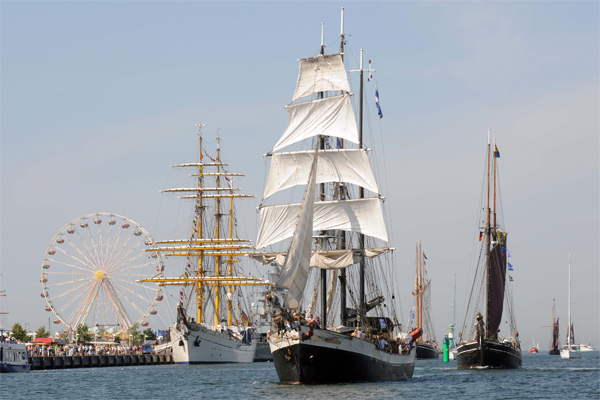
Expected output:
(569, 350)
(210, 285)
(481, 344)
(328, 269)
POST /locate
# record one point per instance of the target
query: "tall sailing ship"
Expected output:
(483, 346)
(327, 271)
(212, 324)
(426, 344)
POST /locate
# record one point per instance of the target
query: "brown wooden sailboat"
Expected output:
(554, 349)
(483, 346)
(426, 345)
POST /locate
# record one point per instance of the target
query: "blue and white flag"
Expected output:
(508, 254)
(377, 104)
(510, 267)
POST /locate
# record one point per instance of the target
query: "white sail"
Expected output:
(321, 74)
(365, 216)
(324, 259)
(342, 165)
(294, 272)
(331, 116)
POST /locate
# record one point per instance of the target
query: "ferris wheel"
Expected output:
(92, 269)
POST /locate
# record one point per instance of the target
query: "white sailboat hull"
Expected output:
(452, 354)
(199, 344)
(586, 347)
(571, 352)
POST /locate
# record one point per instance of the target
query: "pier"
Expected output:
(67, 362)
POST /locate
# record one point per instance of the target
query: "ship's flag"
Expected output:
(508, 254)
(245, 318)
(510, 278)
(510, 267)
(496, 152)
(377, 104)
(480, 236)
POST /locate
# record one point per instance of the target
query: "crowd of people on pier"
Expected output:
(84, 350)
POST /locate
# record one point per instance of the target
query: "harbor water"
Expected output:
(542, 377)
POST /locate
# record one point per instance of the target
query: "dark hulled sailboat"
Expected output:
(486, 348)
(554, 349)
(359, 337)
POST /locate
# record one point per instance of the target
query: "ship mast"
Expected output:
(488, 246)
(218, 232)
(361, 195)
(340, 195)
(416, 294)
(569, 338)
(321, 141)
(495, 225)
(200, 211)
(342, 235)
(230, 261)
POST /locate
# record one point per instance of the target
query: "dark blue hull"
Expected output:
(4, 367)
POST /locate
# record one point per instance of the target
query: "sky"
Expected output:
(99, 99)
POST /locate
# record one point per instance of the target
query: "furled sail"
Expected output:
(321, 74)
(324, 259)
(294, 273)
(498, 280)
(331, 116)
(364, 216)
(342, 165)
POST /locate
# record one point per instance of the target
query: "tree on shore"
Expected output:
(83, 334)
(134, 334)
(42, 332)
(18, 332)
(149, 335)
